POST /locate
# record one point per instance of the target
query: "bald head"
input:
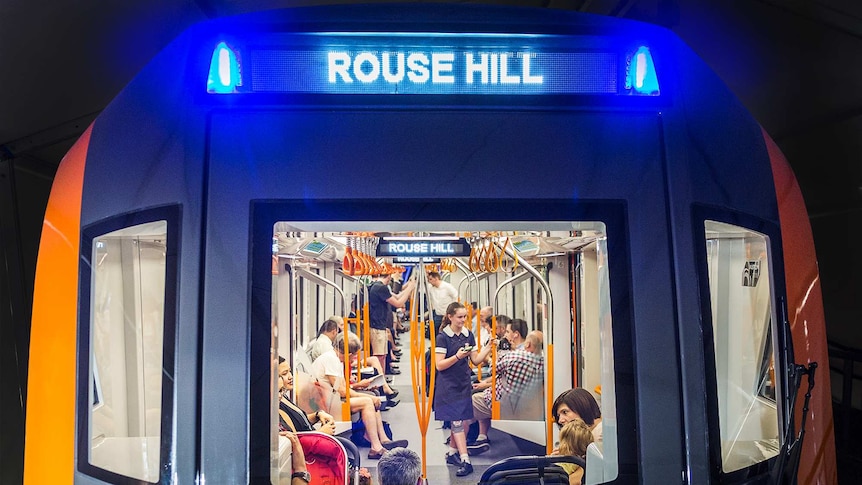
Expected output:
(533, 342)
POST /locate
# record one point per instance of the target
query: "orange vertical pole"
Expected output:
(423, 396)
(495, 405)
(549, 421)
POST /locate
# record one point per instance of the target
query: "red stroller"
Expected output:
(330, 459)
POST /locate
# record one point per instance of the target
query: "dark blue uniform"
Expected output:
(453, 388)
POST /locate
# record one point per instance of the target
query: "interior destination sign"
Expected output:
(429, 248)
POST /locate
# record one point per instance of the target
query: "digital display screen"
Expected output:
(525, 245)
(315, 247)
(426, 249)
(415, 260)
(432, 65)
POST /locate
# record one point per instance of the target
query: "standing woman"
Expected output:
(453, 393)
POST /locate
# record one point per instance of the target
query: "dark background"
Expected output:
(796, 65)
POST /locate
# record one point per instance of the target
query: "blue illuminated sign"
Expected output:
(418, 248)
(431, 64)
(407, 71)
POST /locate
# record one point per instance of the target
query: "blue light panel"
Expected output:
(224, 75)
(431, 64)
(641, 77)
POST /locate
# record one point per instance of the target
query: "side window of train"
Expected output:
(740, 296)
(126, 331)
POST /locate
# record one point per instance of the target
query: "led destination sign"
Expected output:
(437, 70)
(423, 249)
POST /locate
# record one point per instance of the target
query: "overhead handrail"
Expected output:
(549, 352)
(321, 281)
(467, 277)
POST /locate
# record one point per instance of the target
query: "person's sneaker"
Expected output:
(391, 403)
(483, 441)
(453, 459)
(478, 449)
(464, 470)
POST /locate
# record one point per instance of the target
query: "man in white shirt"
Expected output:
(325, 336)
(440, 295)
(329, 368)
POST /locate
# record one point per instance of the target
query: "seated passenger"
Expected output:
(325, 336)
(516, 371)
(329, 367)
(574, 439)
(502, 323)
(290, 416)
(516, 332)
(579, 403)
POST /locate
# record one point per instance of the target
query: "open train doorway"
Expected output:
(552, 277)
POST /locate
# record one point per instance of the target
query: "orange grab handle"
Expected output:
(474, 259)
(347, 263)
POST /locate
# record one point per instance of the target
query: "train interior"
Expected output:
(535, 275)
(553, 275)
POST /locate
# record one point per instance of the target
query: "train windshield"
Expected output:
(522, 288)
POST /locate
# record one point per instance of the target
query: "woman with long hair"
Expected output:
(453, 393)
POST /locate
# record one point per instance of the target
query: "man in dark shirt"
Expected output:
(381, 301)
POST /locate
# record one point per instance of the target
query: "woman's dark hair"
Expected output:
(450, 310)
(580, 401)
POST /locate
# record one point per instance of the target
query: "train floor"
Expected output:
(404, 423)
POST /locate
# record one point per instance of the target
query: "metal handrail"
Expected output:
(549, 382)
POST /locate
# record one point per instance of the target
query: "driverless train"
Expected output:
(588, 175)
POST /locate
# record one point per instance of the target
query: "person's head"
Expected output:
(338, 321)
(533, 342)
(455, 314)
(516, 330)
(575, 436)
(576, 403)
(329, 328)
(353, 345)
(399, 466)
(485, 315)
(385, 278)
(434, 278)
(285, 376)
(502, 322)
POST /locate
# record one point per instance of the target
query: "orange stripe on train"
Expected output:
(807, 326)
(50, 443)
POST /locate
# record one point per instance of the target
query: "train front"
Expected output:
(584, 175)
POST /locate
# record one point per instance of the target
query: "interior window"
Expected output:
(740, 296)
(126, 349)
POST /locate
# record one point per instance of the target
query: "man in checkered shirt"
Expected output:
(516, 371)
